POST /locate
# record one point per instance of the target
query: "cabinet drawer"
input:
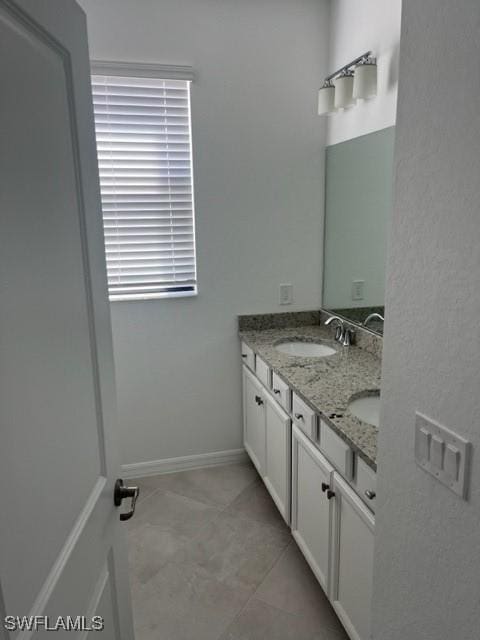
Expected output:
(248, 356)
(336, 450)
(303, 416)
(263, 372)
(366, 484)
(281, 392)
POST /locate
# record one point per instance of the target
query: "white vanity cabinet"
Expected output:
(322, 489)
(312, 510)
(352, 560)
(267, 439)
(278, 433)
(335, 531)
(254, 419)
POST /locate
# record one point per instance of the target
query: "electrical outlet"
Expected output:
(357, 289)
(286, 294)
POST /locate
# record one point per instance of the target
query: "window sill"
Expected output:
(140, 297)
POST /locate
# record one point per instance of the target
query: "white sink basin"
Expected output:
(305, 349)
(367, 409)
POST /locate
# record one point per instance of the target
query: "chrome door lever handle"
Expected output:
(121, 492)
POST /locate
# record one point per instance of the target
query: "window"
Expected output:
(144, 146)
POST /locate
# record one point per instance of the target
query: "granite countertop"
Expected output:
(326, 384)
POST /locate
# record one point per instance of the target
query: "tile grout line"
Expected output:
(214, 506)
(282, 553)
(239, 494)
(269, 570)
(292, 542)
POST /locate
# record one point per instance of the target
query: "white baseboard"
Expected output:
(170, 465)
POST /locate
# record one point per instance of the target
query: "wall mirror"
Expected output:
(358, 201)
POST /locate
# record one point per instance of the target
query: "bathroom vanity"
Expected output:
(316, 458)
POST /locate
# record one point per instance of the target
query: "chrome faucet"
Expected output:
(344, 335)
(373, 316)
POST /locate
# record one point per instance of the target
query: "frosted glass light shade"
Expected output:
(326, 97)
(343, 92)
(365, 81)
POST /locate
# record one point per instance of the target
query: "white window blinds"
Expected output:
(145, 163)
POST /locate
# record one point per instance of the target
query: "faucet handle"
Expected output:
(348, 337)
(338, 333)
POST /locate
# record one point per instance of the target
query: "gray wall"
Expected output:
(258, 161)
(427, 561)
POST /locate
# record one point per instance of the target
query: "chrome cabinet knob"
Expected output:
(370, 494)
(299, 416)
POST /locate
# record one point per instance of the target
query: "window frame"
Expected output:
(159, 72)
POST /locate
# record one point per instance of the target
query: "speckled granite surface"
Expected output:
(326, 384)
(278, 320)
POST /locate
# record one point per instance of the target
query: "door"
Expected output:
(254, 420)
(311, 507)
(62, 550)
(353, 543)
(278, 435)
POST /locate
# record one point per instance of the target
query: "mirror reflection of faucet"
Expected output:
(373, 316)
(344, 335)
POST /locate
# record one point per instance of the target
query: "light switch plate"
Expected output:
(442, 453)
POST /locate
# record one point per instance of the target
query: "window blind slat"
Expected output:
(144, 156)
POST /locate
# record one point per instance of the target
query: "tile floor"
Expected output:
(212, 559)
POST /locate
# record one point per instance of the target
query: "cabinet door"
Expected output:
(254, 420)
(278, 456)
(311, 509)
(352, 561)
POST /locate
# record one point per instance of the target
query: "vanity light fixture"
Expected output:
(365, 79)
(344, 89)
(326, 98)
(356, 80)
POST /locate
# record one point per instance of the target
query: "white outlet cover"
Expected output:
(358, 289)
(286, 294)
(442, 453)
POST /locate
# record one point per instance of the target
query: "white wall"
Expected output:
(427, 567)
(356, 27)
(258, 162)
